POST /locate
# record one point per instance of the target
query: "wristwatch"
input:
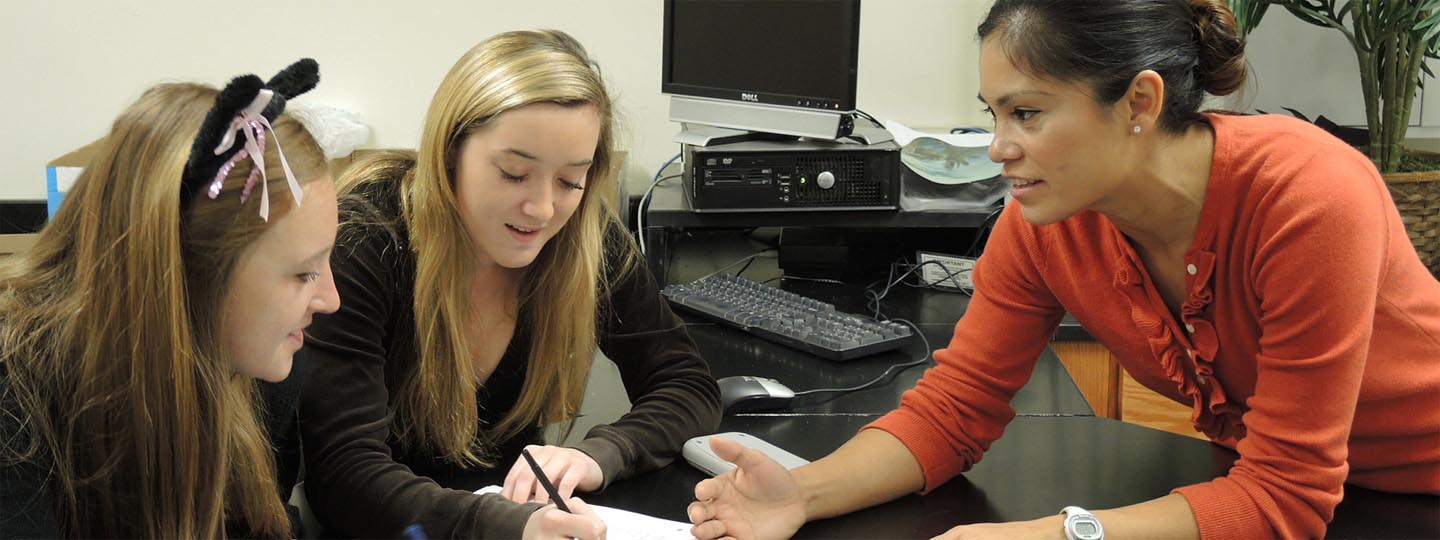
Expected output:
(1080, 524)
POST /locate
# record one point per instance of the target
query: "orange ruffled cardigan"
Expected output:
(1309, 341)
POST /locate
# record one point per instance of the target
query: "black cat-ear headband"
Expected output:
(246, 106)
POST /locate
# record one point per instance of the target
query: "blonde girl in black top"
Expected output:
(479, 275)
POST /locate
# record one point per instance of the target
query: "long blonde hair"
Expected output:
(434, 405)
(111, 333)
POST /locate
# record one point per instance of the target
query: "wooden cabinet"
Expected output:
(1113, 393)
(1096, 373)
(1140, 405)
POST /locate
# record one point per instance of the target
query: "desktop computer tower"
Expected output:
(792, 175)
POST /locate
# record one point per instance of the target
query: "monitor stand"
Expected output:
(709, 136)
(871, 135)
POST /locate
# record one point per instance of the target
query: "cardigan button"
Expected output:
(1191, 269)
(1190, 328)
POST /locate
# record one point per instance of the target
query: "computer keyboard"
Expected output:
(787, 318)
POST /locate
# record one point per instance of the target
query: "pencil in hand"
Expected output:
(545, 481)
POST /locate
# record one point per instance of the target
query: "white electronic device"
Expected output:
(698, 453)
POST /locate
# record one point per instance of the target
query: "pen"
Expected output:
(545, 482)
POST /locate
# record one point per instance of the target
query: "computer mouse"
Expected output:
(744, 393)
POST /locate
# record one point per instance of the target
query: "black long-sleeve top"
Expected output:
(28, 495)
(361, 482)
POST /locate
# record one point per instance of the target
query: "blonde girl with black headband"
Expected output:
(480, 274)
(183, 266)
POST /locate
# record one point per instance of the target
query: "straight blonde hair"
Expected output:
(111, 333)
(434, 406)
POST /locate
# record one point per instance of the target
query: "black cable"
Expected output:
(867, 116)
(801, 278)
(985, 227)
(742, 269)
(746, 259)
(925, 352)
(952, 277)
(873, 302)
(874, 298)
(924, 357)
(643, 207)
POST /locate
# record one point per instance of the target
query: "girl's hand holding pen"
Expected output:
(551, 523)
(570, 470)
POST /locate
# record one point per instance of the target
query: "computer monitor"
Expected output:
(771, 66)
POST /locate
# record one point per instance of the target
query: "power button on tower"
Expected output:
(825, 180)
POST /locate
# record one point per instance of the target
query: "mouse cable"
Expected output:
(924, 357)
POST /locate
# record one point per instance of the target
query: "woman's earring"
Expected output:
(1135, 130)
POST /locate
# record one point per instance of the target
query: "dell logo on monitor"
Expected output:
(748, 96)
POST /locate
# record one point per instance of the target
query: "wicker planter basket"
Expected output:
(1417, 195)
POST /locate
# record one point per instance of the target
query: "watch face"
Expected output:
(1084, 527)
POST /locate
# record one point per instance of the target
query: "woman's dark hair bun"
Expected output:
(1222, 67)
(1192, 44)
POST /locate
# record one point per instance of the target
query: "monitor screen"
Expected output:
(796, 53)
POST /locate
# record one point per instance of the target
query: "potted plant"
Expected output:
(1247, 14)
(1391, 40)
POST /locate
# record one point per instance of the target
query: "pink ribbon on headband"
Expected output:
(250, 122)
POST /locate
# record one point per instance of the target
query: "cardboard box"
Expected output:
(61, 173)
(15, 243)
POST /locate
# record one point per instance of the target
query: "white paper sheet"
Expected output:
(629, 525)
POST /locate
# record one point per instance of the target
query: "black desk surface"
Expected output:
(1040, 465)
(729, 351)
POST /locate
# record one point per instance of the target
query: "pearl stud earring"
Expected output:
(1135, 130)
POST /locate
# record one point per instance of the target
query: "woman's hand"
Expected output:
(569, 469)
(551, 523)
(758, 500)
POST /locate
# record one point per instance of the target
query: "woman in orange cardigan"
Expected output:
(1253, 267)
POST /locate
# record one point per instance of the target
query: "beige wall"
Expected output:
(71, 65)
(1313, 70)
